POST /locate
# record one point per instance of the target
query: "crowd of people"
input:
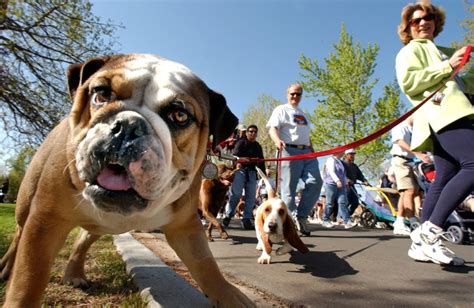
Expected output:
(442, 131)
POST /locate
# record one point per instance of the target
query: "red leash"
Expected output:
(374, 135)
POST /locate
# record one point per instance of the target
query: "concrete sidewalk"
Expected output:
(159, 285)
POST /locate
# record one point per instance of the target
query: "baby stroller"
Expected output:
(460, 223)
(379, 205)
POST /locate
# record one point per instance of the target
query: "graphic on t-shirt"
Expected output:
(300, 119)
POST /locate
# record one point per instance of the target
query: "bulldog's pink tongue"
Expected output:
(114, 179)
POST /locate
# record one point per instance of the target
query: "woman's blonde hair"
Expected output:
(404, 31)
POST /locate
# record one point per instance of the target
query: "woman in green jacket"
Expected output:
(443, 126)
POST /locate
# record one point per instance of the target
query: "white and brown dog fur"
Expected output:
(273, 225)
(127, 157)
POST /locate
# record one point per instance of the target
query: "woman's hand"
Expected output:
(339, 184)
(456, 58)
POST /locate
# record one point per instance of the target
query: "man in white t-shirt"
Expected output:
(289, 130)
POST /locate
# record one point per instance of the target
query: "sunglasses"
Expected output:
(295, 94)
(252, 131)
(416, 21)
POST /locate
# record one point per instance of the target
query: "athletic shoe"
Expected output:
(415, 235)
(327, 224)
(432, 244)
(247, 223)
(416, 253)
(302, 226)
(399, 228)
(226, 221)
(350, 225)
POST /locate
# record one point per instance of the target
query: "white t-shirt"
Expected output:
(403, 132)
(292, 124)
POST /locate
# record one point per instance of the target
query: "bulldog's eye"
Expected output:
(102, 95)
(179, 117)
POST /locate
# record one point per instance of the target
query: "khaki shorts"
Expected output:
(403, 174)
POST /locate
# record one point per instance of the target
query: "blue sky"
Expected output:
(245, 48)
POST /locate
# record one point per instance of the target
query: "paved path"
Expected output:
(348, 268)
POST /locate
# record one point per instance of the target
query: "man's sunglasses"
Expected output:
(295, 94)
(416, 21)
(252, 131)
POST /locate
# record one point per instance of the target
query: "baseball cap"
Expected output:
(241, 127)
(350, 151)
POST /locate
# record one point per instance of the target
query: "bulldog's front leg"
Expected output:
(74, 273)
(41, 239)
(190, 244)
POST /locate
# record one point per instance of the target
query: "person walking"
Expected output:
(407, 185)
(245, 177)
(335, 186)
(443, 126)
(353, 173)
(289, 130)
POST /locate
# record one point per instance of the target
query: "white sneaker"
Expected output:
(415, 235)
(433, 246)
(327, 224)
(416, 253)
(401, 229)
(350, 225)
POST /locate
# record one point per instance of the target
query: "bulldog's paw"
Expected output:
(233, 297)
(76, 282)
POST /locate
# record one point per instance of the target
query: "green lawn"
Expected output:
(110, 284)
(7, 225)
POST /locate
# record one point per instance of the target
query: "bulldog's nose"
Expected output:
(128, 129)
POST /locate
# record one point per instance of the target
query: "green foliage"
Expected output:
(345, 111)
(258, 114)
(18, 166)
(468, 26)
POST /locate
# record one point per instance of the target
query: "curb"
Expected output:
(159, 285)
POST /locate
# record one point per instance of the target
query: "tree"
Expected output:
(38, 39)
(468, 26)
(17, 166)
(345, 112)
(258, 114)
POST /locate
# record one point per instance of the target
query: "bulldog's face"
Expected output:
(140, 126)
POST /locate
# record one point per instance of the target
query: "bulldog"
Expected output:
(127, 157)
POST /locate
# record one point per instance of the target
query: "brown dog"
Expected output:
(127, 157)
(273, 224)
(212, 198)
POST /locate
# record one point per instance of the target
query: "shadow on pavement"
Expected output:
(322, 264)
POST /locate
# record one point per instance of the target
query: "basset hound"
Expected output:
(273, 225)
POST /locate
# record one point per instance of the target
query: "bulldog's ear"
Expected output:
(221, 121)
(77, 74)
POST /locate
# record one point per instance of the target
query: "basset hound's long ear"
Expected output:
(259, 221)
(221, 120)
(291, 235)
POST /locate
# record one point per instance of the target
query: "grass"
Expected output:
(110, 285)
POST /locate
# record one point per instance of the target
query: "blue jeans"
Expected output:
(243, 178)
(332, 194)
(352, 199)
(291, 172)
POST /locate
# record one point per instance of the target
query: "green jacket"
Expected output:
(420, 71)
